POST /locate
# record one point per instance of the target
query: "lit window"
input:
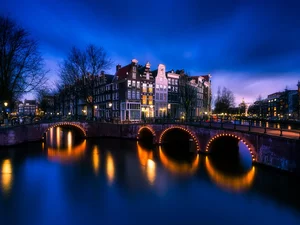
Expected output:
(144, 100)
(137, 84)
(150, 100)
(129, 83)
(138, 94)
(144, 87)
(147, 75)
(150, 88)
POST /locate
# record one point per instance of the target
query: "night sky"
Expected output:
(251, 47)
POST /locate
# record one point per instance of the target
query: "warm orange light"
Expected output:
(110, 168)
(96, 160)
(179, 168)
(148, 165)
(6, 176)
(230, 183)
(65, 156)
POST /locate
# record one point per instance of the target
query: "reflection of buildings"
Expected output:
(148, 165)
(6, 176)
(182, 168)
(227, 182)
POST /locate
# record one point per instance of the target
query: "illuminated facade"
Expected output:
(135, 91)
(161, 91)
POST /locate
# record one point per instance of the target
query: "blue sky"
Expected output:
(250, 47)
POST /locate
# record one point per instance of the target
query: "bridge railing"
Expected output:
(289, 133)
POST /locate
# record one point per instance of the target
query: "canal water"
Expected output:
(67, 180)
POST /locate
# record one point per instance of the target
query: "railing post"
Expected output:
(234, 125)
(280, 131)
(210, 122)
(221, 122)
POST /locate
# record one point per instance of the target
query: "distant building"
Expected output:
(28, 108)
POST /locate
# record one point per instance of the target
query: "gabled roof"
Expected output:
(122, 72)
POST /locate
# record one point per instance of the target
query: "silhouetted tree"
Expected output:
(80, 69)
(187, 95)
(224, 100)
(21, 65)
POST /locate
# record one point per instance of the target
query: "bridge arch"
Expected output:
(149, 128)
(64, 124)
(190, 132)
(249, 146)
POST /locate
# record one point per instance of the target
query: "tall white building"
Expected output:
(161, 91)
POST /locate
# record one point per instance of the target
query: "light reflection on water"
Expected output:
(176, 167)
(148, 165)
(61, 149)
(110, 168)
(123, 182)
(6, 176)
(96, 160)
(233, 183)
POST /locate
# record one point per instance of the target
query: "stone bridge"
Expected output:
(269, 149)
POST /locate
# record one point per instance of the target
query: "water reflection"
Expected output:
(110, 168)
(65, 156)
(181, 168)
(57, 137)
(96, 160)
(6, 176)
(145, 156)
(233, 183)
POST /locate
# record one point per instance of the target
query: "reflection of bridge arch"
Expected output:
(148, 128)
(68, 154)
(146, 159)
(178, 168)
(250, 147)
(235, 184)
(61, 124)
(191, 133)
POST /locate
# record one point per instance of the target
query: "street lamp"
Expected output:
(5, 113)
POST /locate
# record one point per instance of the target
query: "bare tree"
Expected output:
(224, 100)
(21, 64)
(187, 95)
(80, 70)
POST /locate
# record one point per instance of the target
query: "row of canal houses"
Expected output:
(136, 92)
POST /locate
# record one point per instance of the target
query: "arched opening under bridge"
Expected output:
(230, 153)
(180, 138)
(146, 135)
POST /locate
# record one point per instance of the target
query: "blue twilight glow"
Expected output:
(254, 44)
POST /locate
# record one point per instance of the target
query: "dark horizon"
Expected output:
(251, 48)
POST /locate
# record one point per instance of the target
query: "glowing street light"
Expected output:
(5, 104)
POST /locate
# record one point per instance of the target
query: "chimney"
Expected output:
(118, 67)
(102, 72)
